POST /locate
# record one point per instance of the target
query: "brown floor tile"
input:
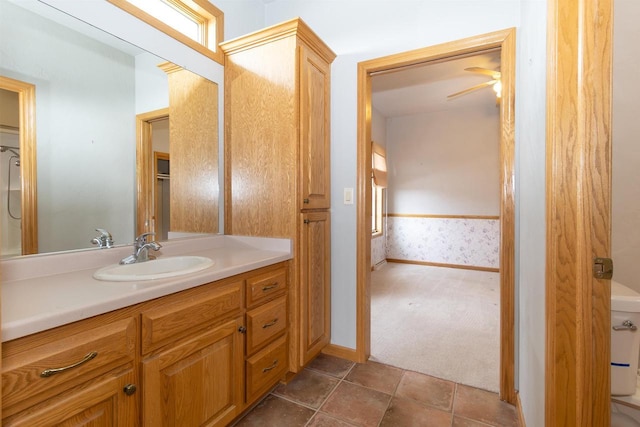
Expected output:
(276, 412)
(484, 406)
(324, 420)
(356, 404)
(331, 365)
(463, 422)
(377, 376)
(308, 387)
(426, 390)
(408, 413)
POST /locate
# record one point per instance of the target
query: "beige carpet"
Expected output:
(439, 321)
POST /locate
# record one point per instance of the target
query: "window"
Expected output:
(196, 23)
(378, 184)
(377, 196)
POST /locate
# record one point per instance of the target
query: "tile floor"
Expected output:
(333, 392)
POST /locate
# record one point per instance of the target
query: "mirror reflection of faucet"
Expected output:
(104, 240)
(141, 249)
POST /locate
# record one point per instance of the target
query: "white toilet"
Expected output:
(625, 352)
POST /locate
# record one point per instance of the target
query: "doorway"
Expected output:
(436, 127)
(21, 147)
(505, 42)
(151, 180)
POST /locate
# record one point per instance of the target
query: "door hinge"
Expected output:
(603, 268)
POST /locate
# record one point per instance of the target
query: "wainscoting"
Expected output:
(456, 241)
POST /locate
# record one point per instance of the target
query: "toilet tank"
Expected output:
(625, 342)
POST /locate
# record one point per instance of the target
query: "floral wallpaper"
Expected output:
(458, 241)
(378, 252)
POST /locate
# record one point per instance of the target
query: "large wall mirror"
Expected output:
(93, 92)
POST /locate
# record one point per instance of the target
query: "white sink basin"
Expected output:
(160, 268)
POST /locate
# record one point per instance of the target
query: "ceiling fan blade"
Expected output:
(472, 88)
(494, 74)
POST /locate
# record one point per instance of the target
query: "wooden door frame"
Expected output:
(145, 201)
(578, 180)
(28, 162)
(504, 41)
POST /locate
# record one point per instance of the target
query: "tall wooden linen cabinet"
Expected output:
(277, 155)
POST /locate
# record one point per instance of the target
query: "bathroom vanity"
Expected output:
(196, 349)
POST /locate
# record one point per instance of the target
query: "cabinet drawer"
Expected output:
(266, 367)
(178, 313)
(266, 286)
(266, 322)
(85, 355)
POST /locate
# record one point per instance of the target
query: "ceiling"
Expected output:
(424, 88)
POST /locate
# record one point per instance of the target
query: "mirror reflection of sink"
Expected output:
(159, 268)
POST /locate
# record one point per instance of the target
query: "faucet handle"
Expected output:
(104, 240)
(142, 239)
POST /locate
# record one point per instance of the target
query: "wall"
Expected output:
(358, 31)
(152, 84)
(443, 164)
(530, 210)
(625, 209)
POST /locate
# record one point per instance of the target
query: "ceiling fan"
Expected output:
(495, 82)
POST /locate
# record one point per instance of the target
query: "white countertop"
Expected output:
(44, 291)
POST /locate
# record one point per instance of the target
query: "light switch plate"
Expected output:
(348, 196)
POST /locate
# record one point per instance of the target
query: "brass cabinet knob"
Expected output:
(129, 389)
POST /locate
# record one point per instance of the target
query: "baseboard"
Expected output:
(520, 415)
(379, 265)
(341, 352)
(437, 264)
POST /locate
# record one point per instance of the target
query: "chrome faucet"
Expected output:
(141, 249)
(104, 240)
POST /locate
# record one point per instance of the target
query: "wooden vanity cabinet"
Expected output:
(196, 382)
(84, 373)
(277, 163)
(194, 358)
(266, 349)
(192, 364)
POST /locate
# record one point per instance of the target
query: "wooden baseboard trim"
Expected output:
(341, 352)
(379, 265)
(519, 413)
(436, 264)
(431, 216)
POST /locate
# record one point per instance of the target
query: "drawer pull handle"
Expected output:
(48, 372)
(268, 368)
(268, 287)
(270, 324)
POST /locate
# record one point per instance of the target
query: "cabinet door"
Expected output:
(98, 403)
(314, 127)
(197, 382)
(315, 284)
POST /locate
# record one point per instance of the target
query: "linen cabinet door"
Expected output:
(315, 284)
(198, 382)
(314, 126)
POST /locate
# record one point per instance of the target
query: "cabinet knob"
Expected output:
(305, 201)
(129, 389)
(242, 329)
